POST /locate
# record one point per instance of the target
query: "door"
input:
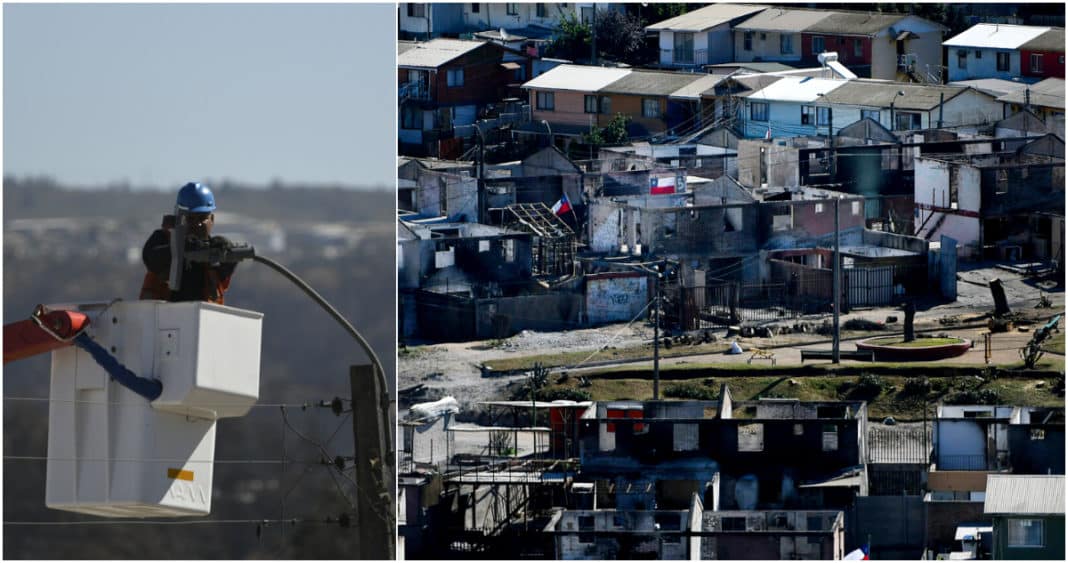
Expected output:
(948, 268)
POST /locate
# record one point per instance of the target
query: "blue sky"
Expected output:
(154, 95)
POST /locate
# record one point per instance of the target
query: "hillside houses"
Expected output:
(750, 122)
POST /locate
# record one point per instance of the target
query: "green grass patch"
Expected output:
(899, 341)
(1055, 344)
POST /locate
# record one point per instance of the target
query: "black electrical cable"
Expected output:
(329, 309)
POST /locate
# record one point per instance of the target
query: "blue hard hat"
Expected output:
(195, 197)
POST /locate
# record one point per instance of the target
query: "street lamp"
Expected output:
(893, 125)
(550, 129)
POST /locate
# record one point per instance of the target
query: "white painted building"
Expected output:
(700, 37)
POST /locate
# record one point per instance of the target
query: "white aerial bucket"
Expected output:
(113, 453)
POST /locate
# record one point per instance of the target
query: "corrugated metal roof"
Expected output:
(992, 86)
(578, 78)
(651, 83)
(692, 91)
(795, 89)
(995, 36)
(783, 19)
(1048, 93)
(755, 66)
(1052, 40)
(1024, 494)
(854, 23)
(435, 52)
(878, 94)
(705, 18)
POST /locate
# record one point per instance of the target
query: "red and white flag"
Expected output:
(859, 554)
(661, 185)
(562, 206)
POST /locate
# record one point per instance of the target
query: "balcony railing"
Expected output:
(413, 91)
(671, 57)
(976, 462)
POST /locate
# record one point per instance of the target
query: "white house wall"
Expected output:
(959, 442)
(932, 189)
(968, 108)
(766, 50)
(702, 41)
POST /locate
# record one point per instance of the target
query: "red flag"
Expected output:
(562, 206)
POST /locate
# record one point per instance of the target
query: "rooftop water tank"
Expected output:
(113, 453)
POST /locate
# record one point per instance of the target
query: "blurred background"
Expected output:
(108, 110)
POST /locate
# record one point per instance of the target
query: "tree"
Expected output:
(615, 133)
(572, 38)
(619, 36)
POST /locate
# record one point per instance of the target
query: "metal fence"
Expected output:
(724, 304)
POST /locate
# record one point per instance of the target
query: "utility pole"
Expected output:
(837, 287)
(656, 335)
(374, 458)
(593, 36)
(481, 197)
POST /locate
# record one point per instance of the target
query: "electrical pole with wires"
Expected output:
(656, 333)
(374, 458)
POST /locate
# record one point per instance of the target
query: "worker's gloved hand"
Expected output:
(220, 242)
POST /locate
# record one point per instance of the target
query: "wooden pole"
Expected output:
(375, 499)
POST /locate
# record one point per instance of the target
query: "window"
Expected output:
(511, 8)
(813, 523)
(858, 48)
(411, 118)
(650, 107)
(747, 41)
(475, 8)
(1003, 62)
(823, 116)
(540, 10)
(870, 114)
(587, 15)
(751, 437)
(619, 521)
(733, 524)
(586, 523)
(786, 44)
(758, 111)
(808, 115)
(546, 101)
(606, 104)
(819, 209)
(1036, 63)
(799, 429)
(509, 250)
(683, 47)
(1026, 532)
(854, 207)
(1038, 433)
(1060, 60)
(830, 438)
(590, 103)
(978, 54)
(962, 59)
(416, 10)
(817, 45)
(905, 121)
(455, 77)
(1002, 186)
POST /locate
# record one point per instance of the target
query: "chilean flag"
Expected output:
(562, 206)
(860, 554)
(661, 185)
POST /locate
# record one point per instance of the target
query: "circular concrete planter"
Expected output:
(892, 353)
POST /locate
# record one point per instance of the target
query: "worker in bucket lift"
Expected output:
(191, 223)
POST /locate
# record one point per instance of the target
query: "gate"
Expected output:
(866, 287)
